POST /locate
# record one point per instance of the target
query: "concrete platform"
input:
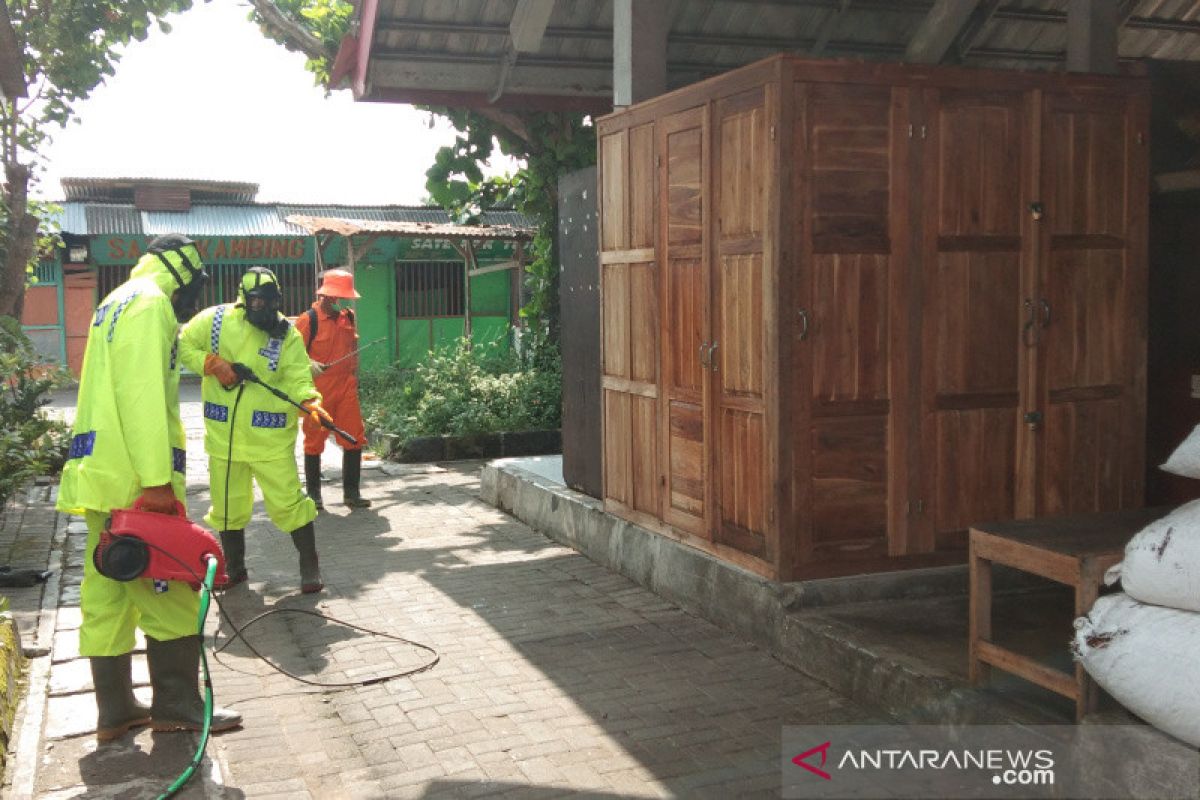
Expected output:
(897, 641)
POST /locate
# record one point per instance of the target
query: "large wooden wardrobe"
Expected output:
(849, 309)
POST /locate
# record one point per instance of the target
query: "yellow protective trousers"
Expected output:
(111, 609)
(287, 504)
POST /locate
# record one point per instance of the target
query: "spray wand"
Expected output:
(247, 374)
(355, 352)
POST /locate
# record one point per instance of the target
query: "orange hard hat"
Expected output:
(338, 283)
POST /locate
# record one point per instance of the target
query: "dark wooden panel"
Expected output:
(849, 328)
(972, 323)
(614, 219)
(644, 454)
(618, 464)
(579, 302)
(615, 305)
(1085, 163)
(1084, 341)
(975, 456)
(643, 322)
(849, 481)
(849, 139)
(684, 198)
(738, 357)
(641, 186)
(686, 334)
(1086, 468)
(978, 141)
(743, 154)
(743, 484)
(686, 467)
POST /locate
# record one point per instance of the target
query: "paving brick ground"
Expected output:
(556, 676)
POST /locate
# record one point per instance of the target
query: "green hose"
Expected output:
(205, 598)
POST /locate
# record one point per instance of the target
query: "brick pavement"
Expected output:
(556, 677)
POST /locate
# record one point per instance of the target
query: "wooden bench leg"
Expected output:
(981, 616)
(1086, 592)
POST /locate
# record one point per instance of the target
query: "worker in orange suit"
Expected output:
(331, 336)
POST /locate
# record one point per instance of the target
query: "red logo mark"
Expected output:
(823, 749)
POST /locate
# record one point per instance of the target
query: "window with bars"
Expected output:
(429, 289)
(297, 282)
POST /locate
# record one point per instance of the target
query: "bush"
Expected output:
(31, 443)
(466, 389)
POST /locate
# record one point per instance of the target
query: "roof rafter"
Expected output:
(941, 26)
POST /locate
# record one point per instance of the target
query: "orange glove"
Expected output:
(316, 412)
(159, 499)
(220, 369)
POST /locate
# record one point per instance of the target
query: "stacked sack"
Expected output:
(1143, 645)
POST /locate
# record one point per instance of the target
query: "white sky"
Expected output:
(216, 100)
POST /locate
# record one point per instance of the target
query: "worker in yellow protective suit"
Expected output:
(128, 445)
(250, 434)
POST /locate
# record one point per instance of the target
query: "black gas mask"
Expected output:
(186, 299)
(262, 300)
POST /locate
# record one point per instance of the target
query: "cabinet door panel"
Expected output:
(973, 282)
(1091, 330)
(742, 158)
(848, 173)
(685, 332)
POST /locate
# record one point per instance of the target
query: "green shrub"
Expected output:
(31, 443)
(466, 389)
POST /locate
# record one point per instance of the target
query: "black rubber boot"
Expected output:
(119, 711)
(174, 674)
(312, 478)
(351, 475)
(233, 544)
(305, 540)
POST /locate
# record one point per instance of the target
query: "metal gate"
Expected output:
(296, 281)
(48, 338)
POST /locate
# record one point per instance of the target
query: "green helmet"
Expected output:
(260, 284)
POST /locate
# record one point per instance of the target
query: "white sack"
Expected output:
(1185, 460)
(1162, 561)
(1146, 657)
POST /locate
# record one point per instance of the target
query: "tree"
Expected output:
(550, 144)
(64, 51)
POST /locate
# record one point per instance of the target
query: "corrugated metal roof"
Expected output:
(459, 47)
(350, 227)
(120, 189)
(259, 219)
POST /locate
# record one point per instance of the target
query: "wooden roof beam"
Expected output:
(938, 31)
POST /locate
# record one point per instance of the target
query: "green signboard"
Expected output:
(293, 249)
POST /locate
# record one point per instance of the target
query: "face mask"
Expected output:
(265, 318)
(186, 301)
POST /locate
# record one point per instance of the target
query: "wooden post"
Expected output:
(1092, 28)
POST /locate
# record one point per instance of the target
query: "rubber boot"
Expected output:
(174, 674)
(119, 711)
(312, 478)
(305, 540)
(233, 544)
(351, 474)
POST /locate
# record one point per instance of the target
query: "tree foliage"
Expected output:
(550, 144)
(65, 50)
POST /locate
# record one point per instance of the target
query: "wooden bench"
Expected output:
(1072, 550)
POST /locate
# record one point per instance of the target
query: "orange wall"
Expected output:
(41, 306)
(80, 305)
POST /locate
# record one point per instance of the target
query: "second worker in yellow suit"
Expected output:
(249, 433)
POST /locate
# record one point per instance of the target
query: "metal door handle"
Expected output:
(711, 350)
(1045, 312)
(803, 314)
(703, 347)
(1029, 331)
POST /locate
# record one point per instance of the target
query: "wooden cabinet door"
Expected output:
(686, 335)
(850, 180)
(1089, 313)
(975, 174)
(629, 321)
(742, 307)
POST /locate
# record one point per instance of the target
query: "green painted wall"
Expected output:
(375, 312)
